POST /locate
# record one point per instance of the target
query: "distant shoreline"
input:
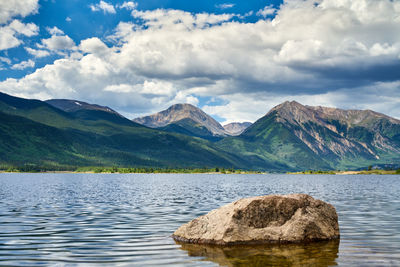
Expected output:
(362, 172)
(365, 172)
(116, 170)
(144, 172)
(72, 172)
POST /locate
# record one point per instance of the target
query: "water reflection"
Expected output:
(311, 254)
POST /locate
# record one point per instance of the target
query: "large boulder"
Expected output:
(265, 219)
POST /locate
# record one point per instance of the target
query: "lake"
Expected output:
(128, 219)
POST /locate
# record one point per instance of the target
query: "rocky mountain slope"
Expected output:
(307, 137)
(236, 128)
(341, 132)
(184, 117)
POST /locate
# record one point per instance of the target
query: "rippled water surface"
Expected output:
(125, 220)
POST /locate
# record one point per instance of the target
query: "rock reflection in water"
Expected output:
(311, 254)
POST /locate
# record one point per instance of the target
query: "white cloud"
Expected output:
(58, 43)
(326, 53)
(104, 6)
(266, 11)
(225, 6)
(54, 31)
(14, 8)
(93, 45)
(120, 88)
(9, 33)
(8, 39)
(5, 60)
(37, 52)
(29, 29)
(23, 65)
(150, 87)
(68, 19)
(122, 31)
(129, 5)
(178, 20)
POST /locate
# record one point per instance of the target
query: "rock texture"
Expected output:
(236, 128)
(340, 132)
(264, 219)
(179, 112)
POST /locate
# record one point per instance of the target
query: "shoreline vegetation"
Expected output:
(380, 172)
(121, 170)
(124, 170)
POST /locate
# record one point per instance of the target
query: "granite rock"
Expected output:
(265, 219)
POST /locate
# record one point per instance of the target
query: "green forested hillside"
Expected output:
(273, 142)
(290, 137)
(34, 132)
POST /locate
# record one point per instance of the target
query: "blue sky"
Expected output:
(78, 21)
(234, 59)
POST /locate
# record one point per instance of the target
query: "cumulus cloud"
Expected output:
(29, 29)
(266, 11)
(122, 31)
(14, 8)
(37, 52)
(316, 52)
(128, 5)
(9, 33)
(94, 46)
(103, 6)
(23, 65)
(8, 39)
(54, 31)
(58, 43)
(169, 20)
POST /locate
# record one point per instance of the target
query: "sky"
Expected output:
(234, 59)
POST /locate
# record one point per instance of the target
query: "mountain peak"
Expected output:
(293, 112)
(289, 105)
(292, 103)
(183, 106)
(180, 112)
(69, 105)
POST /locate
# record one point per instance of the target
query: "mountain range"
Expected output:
(320, 138)
(291, 136)
(190, 120)
(186, 119)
